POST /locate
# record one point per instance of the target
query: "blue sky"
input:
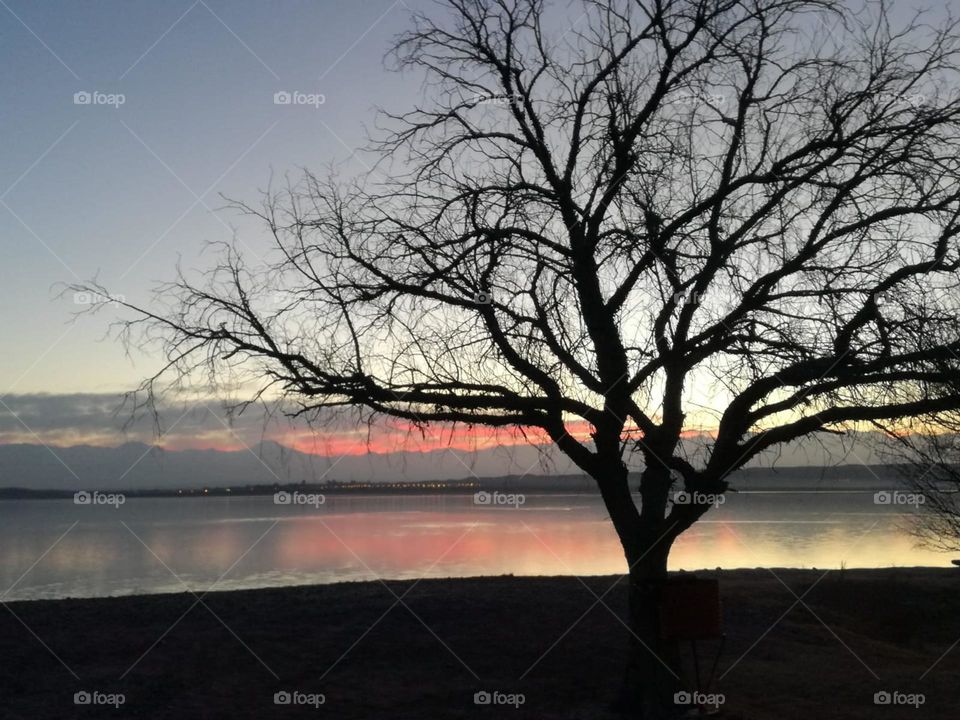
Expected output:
(124, 191)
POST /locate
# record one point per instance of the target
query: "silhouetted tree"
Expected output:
(612, 218)
(929, 450)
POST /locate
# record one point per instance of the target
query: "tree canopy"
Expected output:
(618, 219)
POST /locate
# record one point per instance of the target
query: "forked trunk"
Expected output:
(651, 678)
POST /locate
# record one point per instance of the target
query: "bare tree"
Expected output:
(613, 218)
(929, 452)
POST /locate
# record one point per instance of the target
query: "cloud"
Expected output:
(110, 419)
(107, 420)
(104, 420)
(340, 449)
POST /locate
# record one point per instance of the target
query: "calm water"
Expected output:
(164, 545)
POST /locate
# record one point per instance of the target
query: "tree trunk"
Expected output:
(651, 678)
(652, 675)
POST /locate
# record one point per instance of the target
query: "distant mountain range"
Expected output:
(141, 466)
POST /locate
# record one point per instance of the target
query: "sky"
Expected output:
(125, 124)
(181, 112)
(123, 191)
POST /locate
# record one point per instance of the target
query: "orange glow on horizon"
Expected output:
(383, 438)
(396, 437)
(405, 437)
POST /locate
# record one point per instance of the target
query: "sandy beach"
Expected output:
(353, 650)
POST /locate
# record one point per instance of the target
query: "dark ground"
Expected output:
(420, 662)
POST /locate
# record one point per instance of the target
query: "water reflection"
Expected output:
(163, 545)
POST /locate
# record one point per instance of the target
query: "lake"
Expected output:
(158, 545)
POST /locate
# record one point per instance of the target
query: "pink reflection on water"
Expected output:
(258, 544)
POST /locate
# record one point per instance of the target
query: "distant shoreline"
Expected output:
(455, 488)
(801, 478)
(448, 487)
